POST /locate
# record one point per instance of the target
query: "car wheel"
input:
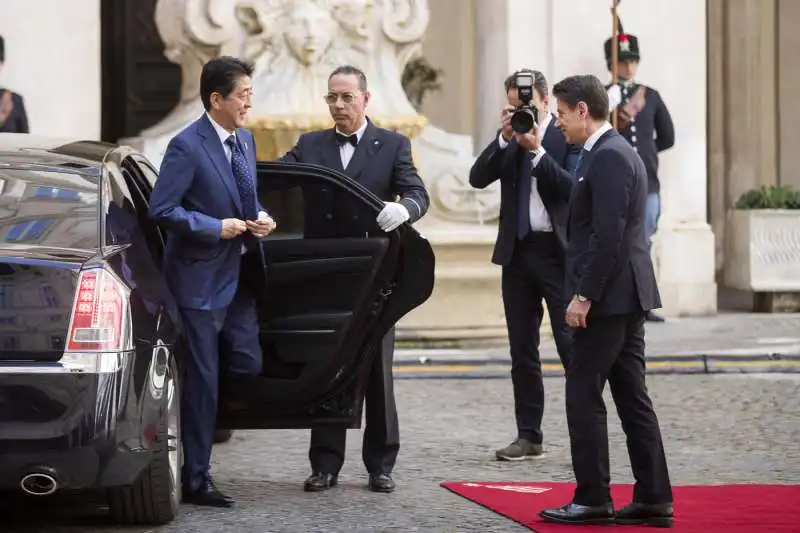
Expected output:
(222, 435)
(156, 495)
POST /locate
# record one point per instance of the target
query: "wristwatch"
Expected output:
(581, 298)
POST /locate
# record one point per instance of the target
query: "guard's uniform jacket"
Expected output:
(650, 131)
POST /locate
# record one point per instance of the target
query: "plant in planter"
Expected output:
(771, 197)
(762, 247)
(419, 78)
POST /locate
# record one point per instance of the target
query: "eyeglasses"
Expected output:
(241, 95)
(347, 98)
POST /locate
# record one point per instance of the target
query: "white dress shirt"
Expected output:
(539, 218)
(223, 136)
(346, 150)
(590, 142)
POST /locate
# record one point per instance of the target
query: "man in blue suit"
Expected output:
(205, 198)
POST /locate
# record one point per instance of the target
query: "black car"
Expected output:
(90, 340)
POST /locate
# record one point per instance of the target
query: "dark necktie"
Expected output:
(524, 197)
(578, 161)
(244, 182)
(343, 139)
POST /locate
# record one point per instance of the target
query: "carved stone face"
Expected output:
(310, 31)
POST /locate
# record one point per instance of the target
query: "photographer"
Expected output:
(531, 241)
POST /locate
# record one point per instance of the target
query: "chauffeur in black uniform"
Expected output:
(643, 119)
(381, 161)
(530, 247)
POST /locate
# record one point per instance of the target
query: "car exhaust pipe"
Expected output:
(42, 482)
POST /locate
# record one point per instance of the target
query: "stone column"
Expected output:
(491, 67)
(743, 92)
(53, 61)
(509, 35)
(788, 79)
(676, 66)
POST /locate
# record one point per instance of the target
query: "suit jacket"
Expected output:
(381, 162)
(17, 121)
(650, 132)
(608, 258)
(495, 164)
(194, 192)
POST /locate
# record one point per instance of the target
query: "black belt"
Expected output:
(539, 236)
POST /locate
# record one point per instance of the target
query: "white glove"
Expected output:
(614, 97)
(392, 216)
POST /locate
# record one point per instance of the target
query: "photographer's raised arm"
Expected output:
(552, 175)
(488, 167)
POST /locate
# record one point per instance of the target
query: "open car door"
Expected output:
(331, 286)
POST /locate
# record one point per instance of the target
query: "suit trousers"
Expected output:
(612, 348)
(381, 442)
(230, 334)
(536, 272)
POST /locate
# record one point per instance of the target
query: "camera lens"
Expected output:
(522, 121)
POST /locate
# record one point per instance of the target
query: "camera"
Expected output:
(524, 118)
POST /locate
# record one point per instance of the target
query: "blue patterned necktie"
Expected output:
(244, 182)
(578, 161)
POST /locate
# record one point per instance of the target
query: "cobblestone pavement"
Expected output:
(716, 428)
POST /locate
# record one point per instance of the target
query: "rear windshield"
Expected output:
(48, 208)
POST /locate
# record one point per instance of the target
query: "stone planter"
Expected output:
(762, 255)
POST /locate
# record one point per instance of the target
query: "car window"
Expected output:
(120, 218)
(306, 206)
(148, 174)
(135, 177)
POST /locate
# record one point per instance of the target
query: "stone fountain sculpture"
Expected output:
(295, 44)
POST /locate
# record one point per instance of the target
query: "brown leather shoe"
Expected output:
(320, 481)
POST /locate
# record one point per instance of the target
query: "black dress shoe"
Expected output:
(574, 513)
(381, 482)
(645, 514)
(207, 495)
(319, 481)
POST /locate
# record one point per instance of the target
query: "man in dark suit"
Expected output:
(644, 120)
(530, 247)
(612, 285)
(205, 198)
(13, 118)
(380, 160)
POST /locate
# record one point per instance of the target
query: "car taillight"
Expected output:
(99, 313)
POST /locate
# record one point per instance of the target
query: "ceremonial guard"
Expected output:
(640, 115)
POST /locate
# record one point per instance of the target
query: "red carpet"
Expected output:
(700, 509)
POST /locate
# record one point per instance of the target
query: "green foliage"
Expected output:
(771, 197)
(419, 77)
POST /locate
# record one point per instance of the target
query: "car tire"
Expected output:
(155, 497)
(222, 436)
